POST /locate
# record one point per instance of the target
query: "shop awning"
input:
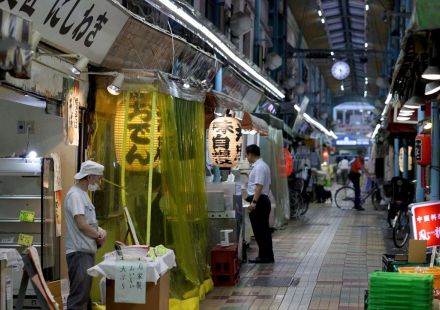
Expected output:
(251, 122)
(425, 15)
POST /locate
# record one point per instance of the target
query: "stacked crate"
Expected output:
(391, 290)
(225, 265)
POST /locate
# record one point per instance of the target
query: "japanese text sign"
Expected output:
(25, 240)
(82, 26)
(26, 216)
(426, 222)
(130, 286)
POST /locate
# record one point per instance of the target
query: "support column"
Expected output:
(405, 158)
(420, 194)
(396, 157)
(435, 159)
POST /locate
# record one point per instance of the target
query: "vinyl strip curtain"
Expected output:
(273, 155)
(124, 143)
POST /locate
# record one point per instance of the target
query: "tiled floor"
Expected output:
(329, 253)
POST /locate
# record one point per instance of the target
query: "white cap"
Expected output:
(89, 167)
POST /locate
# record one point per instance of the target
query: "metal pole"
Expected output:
(396, 157)
(218, 85)
(257, 33)
(435, 159)
(405, 159)
(420, 194)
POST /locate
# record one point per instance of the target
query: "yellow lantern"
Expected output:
(138, 131)
(225, 141)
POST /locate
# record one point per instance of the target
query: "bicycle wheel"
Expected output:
(344, 198)
(401, 230)
(304, 205)
(375, 199)
(295, 204)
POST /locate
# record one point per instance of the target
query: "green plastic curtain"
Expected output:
(123, 141)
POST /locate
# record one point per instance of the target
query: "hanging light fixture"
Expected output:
(403, 118)
(115, 87)
(225, 140)
(431, 88)
(80, 65)
(416, 100)
(432, 72)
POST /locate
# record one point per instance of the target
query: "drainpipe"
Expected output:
(405, 158)
(218, 86)
(408, 9)
(396, 157)
(420, 194)
(275, 34)
(257, 33)
(435, 159)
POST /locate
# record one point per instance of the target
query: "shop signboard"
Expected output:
(426, 222)
(85, 27)
(71, 112)
(130, 286)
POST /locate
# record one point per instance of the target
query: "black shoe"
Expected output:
(359, 208)
(258, 260)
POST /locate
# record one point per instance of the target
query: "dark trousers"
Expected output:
(356, 179)
(80, 281)
(260, 225)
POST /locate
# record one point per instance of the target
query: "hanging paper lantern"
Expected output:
(138, 131)
(225, 141)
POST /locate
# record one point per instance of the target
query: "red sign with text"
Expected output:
(426, 222)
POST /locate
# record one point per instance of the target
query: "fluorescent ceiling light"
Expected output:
(342, 87)
(431, 73)
(211, 39)
(405, 114)
(319, 13)
(323, 20)
(389, 97)
(431, 88)
(403, 118)
(376, 131)
(366, 81)
(365, 94)
(367, 7)
(366, 44)
(332, 53)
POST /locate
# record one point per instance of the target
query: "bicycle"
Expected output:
(344, 197)
(299, 203)
(401, 227)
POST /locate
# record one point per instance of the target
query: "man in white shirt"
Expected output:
(258, 195)
(83, 235)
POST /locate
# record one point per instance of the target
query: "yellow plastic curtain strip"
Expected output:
(124, 147)
(150, 170)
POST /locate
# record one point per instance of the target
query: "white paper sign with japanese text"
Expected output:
(85, 27)
(130, 282)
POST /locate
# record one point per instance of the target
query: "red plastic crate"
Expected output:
(226, 280)
(224, 260)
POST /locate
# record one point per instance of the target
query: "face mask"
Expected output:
(93, 187)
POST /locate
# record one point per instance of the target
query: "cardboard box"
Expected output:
(60, 291)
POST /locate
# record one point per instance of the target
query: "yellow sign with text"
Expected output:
(25, 240)
(27, 216)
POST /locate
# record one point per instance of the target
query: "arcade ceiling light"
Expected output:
(178, 14)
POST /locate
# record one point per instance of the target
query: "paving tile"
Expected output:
(329, 252)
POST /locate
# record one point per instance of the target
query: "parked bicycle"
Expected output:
(344, 197)
(299, 201)
(401, 227)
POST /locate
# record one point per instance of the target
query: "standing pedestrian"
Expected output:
(258, 195)
(357, 167)
(83, 235)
